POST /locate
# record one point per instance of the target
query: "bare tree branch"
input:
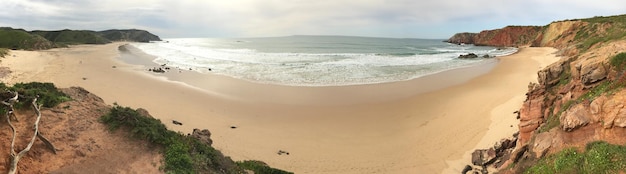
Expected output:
(15, 158)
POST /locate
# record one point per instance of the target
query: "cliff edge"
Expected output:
(577, 106)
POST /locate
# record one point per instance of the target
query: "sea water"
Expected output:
(316, 60)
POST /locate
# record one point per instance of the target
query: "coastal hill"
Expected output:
(39, 39)
(574, 119)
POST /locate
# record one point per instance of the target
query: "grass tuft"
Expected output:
(599, 157)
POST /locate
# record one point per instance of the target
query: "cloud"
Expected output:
(248, 18)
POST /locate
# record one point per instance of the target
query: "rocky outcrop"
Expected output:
(462, 38)
(574, 117)
(592, 71)
(577, 100)
(468, 56)
(203, 135)
(494, 157)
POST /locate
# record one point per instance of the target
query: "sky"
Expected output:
(428, 19)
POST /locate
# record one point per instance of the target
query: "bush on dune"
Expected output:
(182, 154)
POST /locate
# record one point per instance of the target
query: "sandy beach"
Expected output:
(425, 125)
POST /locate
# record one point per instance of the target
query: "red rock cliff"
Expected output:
(579, 99)
(506, 37)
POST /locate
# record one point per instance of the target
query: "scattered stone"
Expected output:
(157, 70)
(114, 66)
(486, 56)
(233, 127)
(202, 135)
(177, 122)
(84, 78)
(468, 56)
(280, 152)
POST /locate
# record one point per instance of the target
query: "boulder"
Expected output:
(543, 143)
(595, 109)
(551, 75)
(482, 157)
(468, 56)
(613, 112)
(202, 135)
(592, 71)
(574, 117)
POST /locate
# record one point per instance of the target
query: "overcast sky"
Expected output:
(263, 18)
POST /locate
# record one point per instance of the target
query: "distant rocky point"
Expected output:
(40, 39)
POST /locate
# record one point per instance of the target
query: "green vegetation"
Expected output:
(259, 167)
(4, 52)
(618, 61)
(129, 35)
(49, 95)
(20, 39)
(183, 154)
(599, 157)
(601, 30)
(70, 37)
(39, 40)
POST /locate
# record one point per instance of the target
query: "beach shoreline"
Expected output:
(352, 94)
(403, 127)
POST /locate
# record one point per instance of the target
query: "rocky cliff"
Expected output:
(577, 101)
(506, 37)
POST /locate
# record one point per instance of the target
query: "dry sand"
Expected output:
(417, 126)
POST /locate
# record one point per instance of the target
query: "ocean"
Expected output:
(316, 60)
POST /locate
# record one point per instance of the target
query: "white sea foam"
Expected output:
(313, 64)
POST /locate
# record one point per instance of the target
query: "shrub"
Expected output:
(260, 167)
(4, 52)
(182, 154)
(618, 61)
(48, 94)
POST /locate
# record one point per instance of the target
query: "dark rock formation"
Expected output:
(177, 122)
(482, 157)
(468, 56)
(493, 157)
